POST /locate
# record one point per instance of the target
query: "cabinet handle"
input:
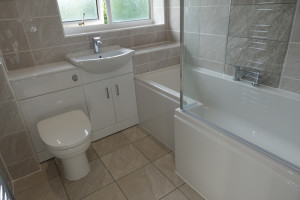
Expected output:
(117, 89)
(107, 93)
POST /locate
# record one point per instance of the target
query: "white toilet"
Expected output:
(68, 136)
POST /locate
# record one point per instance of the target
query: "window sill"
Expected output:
(73, 29)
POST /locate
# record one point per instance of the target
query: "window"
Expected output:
(104, 11)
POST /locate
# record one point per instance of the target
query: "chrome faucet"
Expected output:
(96, 42)
(243, 74)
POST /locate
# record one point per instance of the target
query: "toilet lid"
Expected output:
(66, 130)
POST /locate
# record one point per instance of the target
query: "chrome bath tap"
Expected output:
(243, 74)
(96, 42)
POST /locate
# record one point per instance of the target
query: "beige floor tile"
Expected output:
(147, 183)
(152, 148)
(97, 178)
(166, 165)
(91, 154)
(124, 161)
(175, 195)
(190, 192)
(48, 190)
(110, 192)
(135, 133)
(48, 172)
(110, 144)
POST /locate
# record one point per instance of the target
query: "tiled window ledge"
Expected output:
(156, 56)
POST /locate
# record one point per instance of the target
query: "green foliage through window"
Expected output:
(121, 10)
(129, 10)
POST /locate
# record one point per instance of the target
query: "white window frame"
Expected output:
(73, 28)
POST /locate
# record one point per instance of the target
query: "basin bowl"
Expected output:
(107, 60)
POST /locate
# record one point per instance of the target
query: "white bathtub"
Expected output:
(253, 152)
(157, 98)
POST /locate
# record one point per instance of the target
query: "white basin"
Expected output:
(109, 59)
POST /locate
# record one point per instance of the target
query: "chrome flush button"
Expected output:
(75, 77)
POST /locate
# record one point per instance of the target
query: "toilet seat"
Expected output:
(65, 131)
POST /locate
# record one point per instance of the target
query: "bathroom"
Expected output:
(177, 55)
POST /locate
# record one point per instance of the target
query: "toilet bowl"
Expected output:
(67, 136)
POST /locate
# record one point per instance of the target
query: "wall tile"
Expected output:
(211, 65)
(293, 59)
(289, 84)
(56, 54)
(18, 60)
(144, 39)
(111, 34)
(271, 22)
(174, 3)
(213, 47)
(10, 119)
(239, 2)
(164, 63)
(140, 69)
(23, 168)
(5, 91)
(215, 2)
(296, 27)
(191, 44)
(174, 36)
(139, 59)
(174, 19)
(268, 56)
(165, 53)
(214, 20)
(126, 42)
(44, 32)
(192, 19)
(15, 148)
(12, 36)
(161, 36)
(38, 8)
(9, 9)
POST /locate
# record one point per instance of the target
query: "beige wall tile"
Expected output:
(139, 59)
(55, 54)
(289, 84)
(9, 9)
(10, 119)
(174, 19)
(15, 148)
(140, 69)
(44, 32)
(12, 37)
(18, 60)
(38, 8)
(23, 168)
(296, 26)
(144, 39)
(4, 171)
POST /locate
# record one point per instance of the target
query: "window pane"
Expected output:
(129, 10)
(72, 10)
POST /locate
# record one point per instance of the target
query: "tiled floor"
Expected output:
(129, 165)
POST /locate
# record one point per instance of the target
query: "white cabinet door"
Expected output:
(124, 97)
(100, 104)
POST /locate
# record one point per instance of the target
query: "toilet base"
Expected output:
(75, 167)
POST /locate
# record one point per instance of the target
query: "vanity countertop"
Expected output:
(39, 70)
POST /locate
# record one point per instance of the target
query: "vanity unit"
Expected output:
(108, 98)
